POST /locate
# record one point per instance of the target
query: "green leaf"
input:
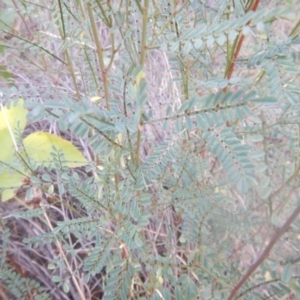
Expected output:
(39, 146)
(293, 98)
(286, 274)
(66, 287)
(51, 267)
(255, 138)
(187, 48)
(294, 286)
(190, 289)
(178, 293)
(56, 278)
(46, 177)
(265, 100)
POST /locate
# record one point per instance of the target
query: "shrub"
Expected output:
(187, 115)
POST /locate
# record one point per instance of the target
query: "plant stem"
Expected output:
(144, 33)
(266, 252)
(142, 63)
(296, 28)
(70, 65)
(32, 43)
(265, 147)
(105, 19)
(237, 45)
(99, 55)
(66, 52)
(162, 29)
(79, 289)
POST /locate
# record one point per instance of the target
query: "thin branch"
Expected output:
(238, 45)
(266, 252)
(100, 56)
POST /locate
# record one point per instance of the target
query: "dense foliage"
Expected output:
(187, 114)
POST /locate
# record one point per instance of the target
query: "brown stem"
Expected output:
(239, 44)
(266, 252)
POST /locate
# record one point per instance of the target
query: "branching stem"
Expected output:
(237, 45)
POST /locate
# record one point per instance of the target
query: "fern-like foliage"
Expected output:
(21, 288)
(188, 115)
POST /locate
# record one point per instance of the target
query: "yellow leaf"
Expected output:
(122, 162)
(38, 146)
(139, 77)
(95, 99)
(81, 35)
(6, 153)
(14, 117)
(119, 138)
(268, 276)
(9, 182)
(12, 123)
